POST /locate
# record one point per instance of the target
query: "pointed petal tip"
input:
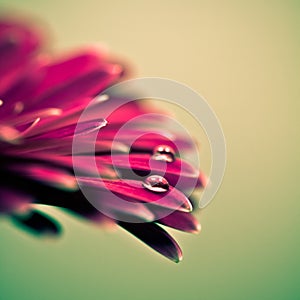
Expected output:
(197, 229)
(187, 206)
(116, 69)
(177, 259)
(203, 180)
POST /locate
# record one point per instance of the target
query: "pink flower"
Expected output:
(42, 98)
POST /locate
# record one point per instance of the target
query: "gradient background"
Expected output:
(243, 57)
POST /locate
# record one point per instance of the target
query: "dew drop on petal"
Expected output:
(164, 153)
(156, 183)
(102, 98)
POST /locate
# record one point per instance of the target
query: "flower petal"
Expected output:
(155, 237)
(77, 128)
(179, 173)
(37, 223)
(119, 209)
(132, 190)
(11, 200)
(145, 142)
(55, 177)
(181, 221)
(80, 86)
(67, 68)
(17, 45)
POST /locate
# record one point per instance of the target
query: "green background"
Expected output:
(243, 57)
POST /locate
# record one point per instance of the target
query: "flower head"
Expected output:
(42, 98)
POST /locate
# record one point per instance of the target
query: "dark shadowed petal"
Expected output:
(37, 223)
(52, 176)
(132, 190)
(117, 208)
(66, 162)
(63, 146)
(11, 200)
(181, 221)
(155, 237)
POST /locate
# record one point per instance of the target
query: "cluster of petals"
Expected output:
(42, 97)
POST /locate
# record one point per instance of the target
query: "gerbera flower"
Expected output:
(42, 98)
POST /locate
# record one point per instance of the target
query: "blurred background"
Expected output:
(243, 57)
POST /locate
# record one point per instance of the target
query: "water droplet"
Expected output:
(1, 102)
(164, 153)
(102, 98)
(156, 183)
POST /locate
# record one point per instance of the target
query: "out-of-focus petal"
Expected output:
(47, 175)
(17, 44)
(11, 200)
(37, 223)
(72, 129)
(66, 68)
(80, 86)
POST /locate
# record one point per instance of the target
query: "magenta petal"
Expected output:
(12, 200)
(181, 221)
(9, 134)
(77, 128)
(67, 69)
(145, 142)
(155, 237)
(51, 176)
(55, 118)
(132, 190)
(119, 209)
(80, 87)
(64, 147)
(23, 88)
(149, 141)
(17, 44)
(140, 163)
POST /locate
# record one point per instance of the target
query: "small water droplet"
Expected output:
(156, 183)
(164, 153)
(102, 98)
